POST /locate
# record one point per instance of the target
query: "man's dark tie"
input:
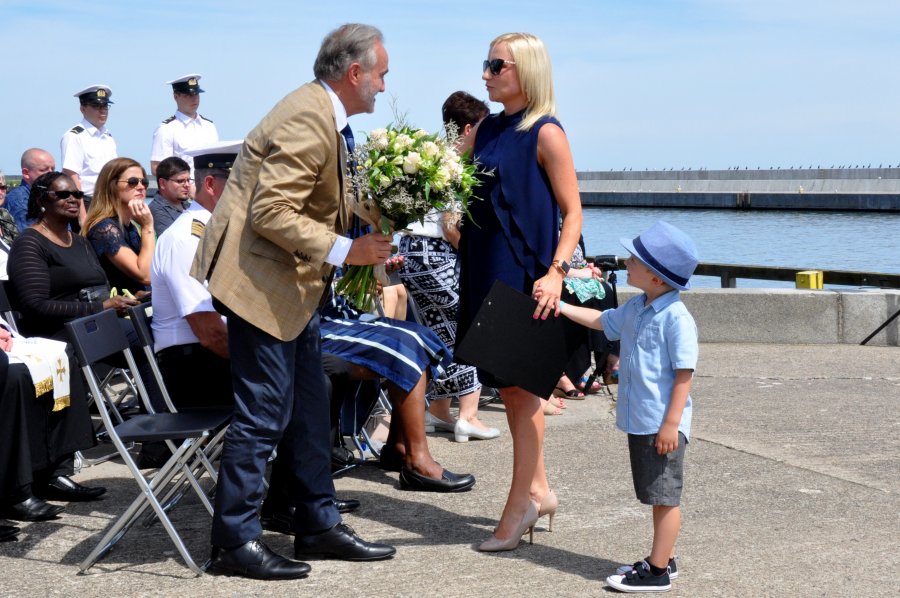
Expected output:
(356, 229)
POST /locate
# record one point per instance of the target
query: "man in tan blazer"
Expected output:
(268, 253)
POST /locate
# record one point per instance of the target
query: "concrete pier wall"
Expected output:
(791, 316)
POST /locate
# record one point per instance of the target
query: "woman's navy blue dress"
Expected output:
(515, 219)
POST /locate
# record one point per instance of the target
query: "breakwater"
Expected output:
(850, 189)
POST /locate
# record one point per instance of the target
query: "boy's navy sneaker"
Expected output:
(673, 567)
(640, 579)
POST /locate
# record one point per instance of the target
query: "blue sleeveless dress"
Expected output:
(515, 218)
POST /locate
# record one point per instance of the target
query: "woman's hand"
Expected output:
(6, 340)
(394, 263)
(141, 214)
(119, 303)
(547, 291)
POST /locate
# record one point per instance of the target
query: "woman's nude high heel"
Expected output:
(549, 505)
(495, 544)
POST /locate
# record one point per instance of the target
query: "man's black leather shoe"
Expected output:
(340, 542)
(282, 520)
(255, 559)
(449, 482)
(65, 488)
(8, 532)
(32, 509)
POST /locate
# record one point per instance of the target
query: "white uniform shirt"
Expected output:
(180, 133)
(176, 293)
(85, 149)
(432, 227)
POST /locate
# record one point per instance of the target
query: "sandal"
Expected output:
(569, 394)
(550, 408)
(595, 386)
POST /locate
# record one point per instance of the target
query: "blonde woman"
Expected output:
(518, 241)
(119, 225)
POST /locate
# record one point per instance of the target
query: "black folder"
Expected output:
(507, 342)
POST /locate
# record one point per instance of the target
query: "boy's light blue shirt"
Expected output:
(656, 340)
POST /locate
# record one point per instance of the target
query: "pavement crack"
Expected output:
(790, 464)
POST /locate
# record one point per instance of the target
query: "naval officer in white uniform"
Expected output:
(187, 129)
(88, 146)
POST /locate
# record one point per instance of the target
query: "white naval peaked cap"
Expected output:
(217, 155)
(95, 94)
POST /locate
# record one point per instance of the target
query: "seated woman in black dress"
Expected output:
(40, 430)
(54, 274)
(119, 225)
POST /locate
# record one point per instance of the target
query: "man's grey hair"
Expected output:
(342, 47)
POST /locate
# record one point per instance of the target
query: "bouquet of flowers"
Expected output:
(402, 174)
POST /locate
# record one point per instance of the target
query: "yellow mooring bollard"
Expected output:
(809, 279)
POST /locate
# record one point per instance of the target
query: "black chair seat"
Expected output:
(171, 426)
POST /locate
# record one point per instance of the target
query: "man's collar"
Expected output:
(91, 128)
(196, 207)
(340, 113)
(184, 117)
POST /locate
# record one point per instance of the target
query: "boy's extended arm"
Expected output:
(582, 315)
(667, 437)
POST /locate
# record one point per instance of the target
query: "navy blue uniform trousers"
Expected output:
(280, 399)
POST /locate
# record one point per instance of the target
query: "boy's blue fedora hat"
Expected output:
(667, 251)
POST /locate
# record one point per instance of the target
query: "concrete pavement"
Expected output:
(791, 490)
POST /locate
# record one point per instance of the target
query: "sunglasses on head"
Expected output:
(133, 181)
(65, 194)
(495, 65)
(3, 187)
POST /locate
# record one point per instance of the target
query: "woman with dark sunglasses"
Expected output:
(119, 225)
(516, 239)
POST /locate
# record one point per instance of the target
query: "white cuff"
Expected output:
(338, 254)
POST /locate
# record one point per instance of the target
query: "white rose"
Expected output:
(411, 163)
(430, 149)
(377, 134)
(403, 142)
(441, 178)
(420, 133)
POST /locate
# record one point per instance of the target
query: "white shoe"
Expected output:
(433, 423)
(463, 430)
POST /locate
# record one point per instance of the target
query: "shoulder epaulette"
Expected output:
(204, 118)
(197, 228)
(168, 120)
(76, 129)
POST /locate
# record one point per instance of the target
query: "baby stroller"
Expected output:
(597, 345)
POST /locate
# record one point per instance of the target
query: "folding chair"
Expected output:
(97, 337)
(141, 316)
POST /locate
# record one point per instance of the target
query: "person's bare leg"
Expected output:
(468, 409)
(666, 525)
(408, 429)
(441, 409)
(525, 415)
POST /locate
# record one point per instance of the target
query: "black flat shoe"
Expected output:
(281, 520)
(449, 482)
(65, 488)
(340, 542)
(32, 509)
(256, 560)
(8, 532)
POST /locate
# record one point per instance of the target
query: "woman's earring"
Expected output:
(43, 209)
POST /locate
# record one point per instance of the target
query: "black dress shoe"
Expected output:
(281, 520)
(32, 509)
(342, 543)
(449, 482)
(255, 559)
(390, 459)
(8, 532)
(65, 488)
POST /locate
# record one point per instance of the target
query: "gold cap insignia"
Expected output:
(192, 82)
(101, 93)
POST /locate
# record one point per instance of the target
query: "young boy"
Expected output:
(657, 361)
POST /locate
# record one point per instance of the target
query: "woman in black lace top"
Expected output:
(49, 266)
(119, 225)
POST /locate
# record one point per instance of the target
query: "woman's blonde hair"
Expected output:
(535, 75)
(105, 202)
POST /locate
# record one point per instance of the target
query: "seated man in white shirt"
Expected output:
(190, 336)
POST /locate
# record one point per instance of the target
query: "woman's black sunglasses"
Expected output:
(133, 181)
(66, 194)
(495, 65)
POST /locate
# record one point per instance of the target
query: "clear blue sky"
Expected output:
(639, 83)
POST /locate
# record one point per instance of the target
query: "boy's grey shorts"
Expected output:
(657, 478)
